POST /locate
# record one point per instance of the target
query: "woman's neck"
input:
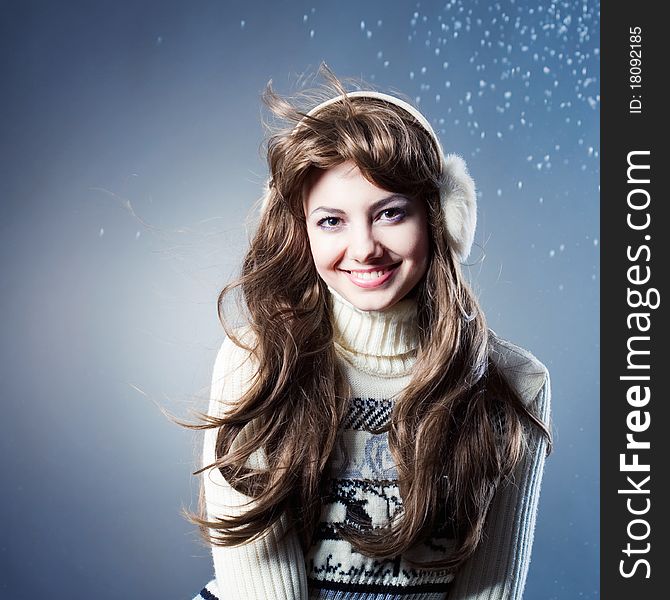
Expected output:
(383, 342)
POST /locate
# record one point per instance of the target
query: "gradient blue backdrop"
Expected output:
(130, 152)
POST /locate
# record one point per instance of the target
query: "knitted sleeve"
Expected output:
(498, 568)
(272, 566)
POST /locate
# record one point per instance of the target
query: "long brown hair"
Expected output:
(457, 429)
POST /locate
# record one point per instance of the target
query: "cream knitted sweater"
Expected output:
(377, 352)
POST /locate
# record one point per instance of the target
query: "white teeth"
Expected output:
(367, 275)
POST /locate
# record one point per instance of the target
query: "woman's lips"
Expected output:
(372, 278)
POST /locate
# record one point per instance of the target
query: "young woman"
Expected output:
(368, 436)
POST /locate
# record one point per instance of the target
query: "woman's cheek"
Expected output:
(331, 250)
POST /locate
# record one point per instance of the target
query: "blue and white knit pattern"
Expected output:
(362, 493)
(209, 592)
(374, 594)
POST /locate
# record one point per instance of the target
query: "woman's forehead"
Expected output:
(344, 188)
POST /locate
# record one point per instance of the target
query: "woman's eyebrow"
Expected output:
(327, 209)
(375, 206)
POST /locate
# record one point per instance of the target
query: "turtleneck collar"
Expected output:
(378, 342)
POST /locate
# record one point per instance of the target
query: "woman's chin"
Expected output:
(372, 300)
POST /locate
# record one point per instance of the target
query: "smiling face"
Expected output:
(368, 244)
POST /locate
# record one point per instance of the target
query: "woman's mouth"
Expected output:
(370, 278)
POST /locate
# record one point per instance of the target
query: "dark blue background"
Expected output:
(130, 159)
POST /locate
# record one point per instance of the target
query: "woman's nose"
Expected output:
(363, 244)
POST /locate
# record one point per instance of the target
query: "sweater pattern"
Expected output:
(362, 493)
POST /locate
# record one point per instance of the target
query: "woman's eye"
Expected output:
(328, 222)
(393, 214)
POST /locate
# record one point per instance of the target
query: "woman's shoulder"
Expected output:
(525, 373)
(239, 348)
(234, 361)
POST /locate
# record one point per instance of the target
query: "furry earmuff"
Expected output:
(457, 190)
